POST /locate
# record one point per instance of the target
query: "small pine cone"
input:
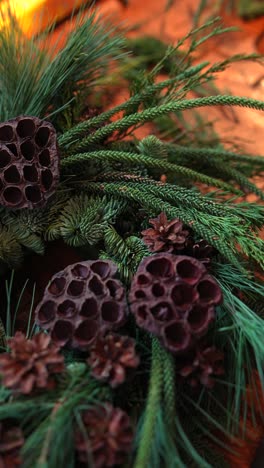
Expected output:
(201, 250)
(31, 364)
(29, 162)
(201, 366)
(174, 297)
(165, 236)
(108, 438)
(111, 357)
(82, 301)
(11, 441)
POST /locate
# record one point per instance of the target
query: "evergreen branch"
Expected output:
(54, 211)
(228, 274)
(80, 130)
(220, 163)
(152, 113)
(245, 335)
(146, 161)
(250, 214)
(219, 153)
(83, 219)
(181, 196)
(27, 226)
(152, 408)
(10, 250)
(223, 233)
(52, 75)
(169, 389)
(127, 254)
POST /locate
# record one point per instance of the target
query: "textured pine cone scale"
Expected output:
(108, 437)
(112, 357)
(31, 364)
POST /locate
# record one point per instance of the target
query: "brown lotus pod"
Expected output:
(11, 441)
(31, 364)
(81, 301)
(111, 358)
(201, 365)
(29, 162)
(106, 438)
(174, 298)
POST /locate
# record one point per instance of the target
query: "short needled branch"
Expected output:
(146, 161)
(153, 404)
(154, 112)
(169, 389)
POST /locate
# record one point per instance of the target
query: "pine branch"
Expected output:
(83, 219)
(132, 158)
(10, 250)
(220, 160)
(223, 233)
(240, 335)
(152, 407)
(152, 113)
(53, 75)
(126, 253)
(169, 390)
(80, 130)
(218, 153)
(27, 227)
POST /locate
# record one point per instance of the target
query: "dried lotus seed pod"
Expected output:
(80, 302)
(174, 297)
(29, 162)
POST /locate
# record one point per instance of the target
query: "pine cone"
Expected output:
(201, 250)
(80, 302)
(201, 366)
(165, 236)
(111, 357)
(174, 297)
(108, 438)
(29, 162)
(31, 364)
(11, 441)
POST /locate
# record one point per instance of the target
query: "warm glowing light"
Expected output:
(35, 15)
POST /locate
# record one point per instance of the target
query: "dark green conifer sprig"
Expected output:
(83, 220)
(152, 113)
(126, 253)
(224, 233)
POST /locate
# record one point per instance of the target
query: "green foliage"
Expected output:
(126, 253)
(58, 79)
(148, 432)
(83, 220)
(10, 309)
(223, 232)
(10, 248)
